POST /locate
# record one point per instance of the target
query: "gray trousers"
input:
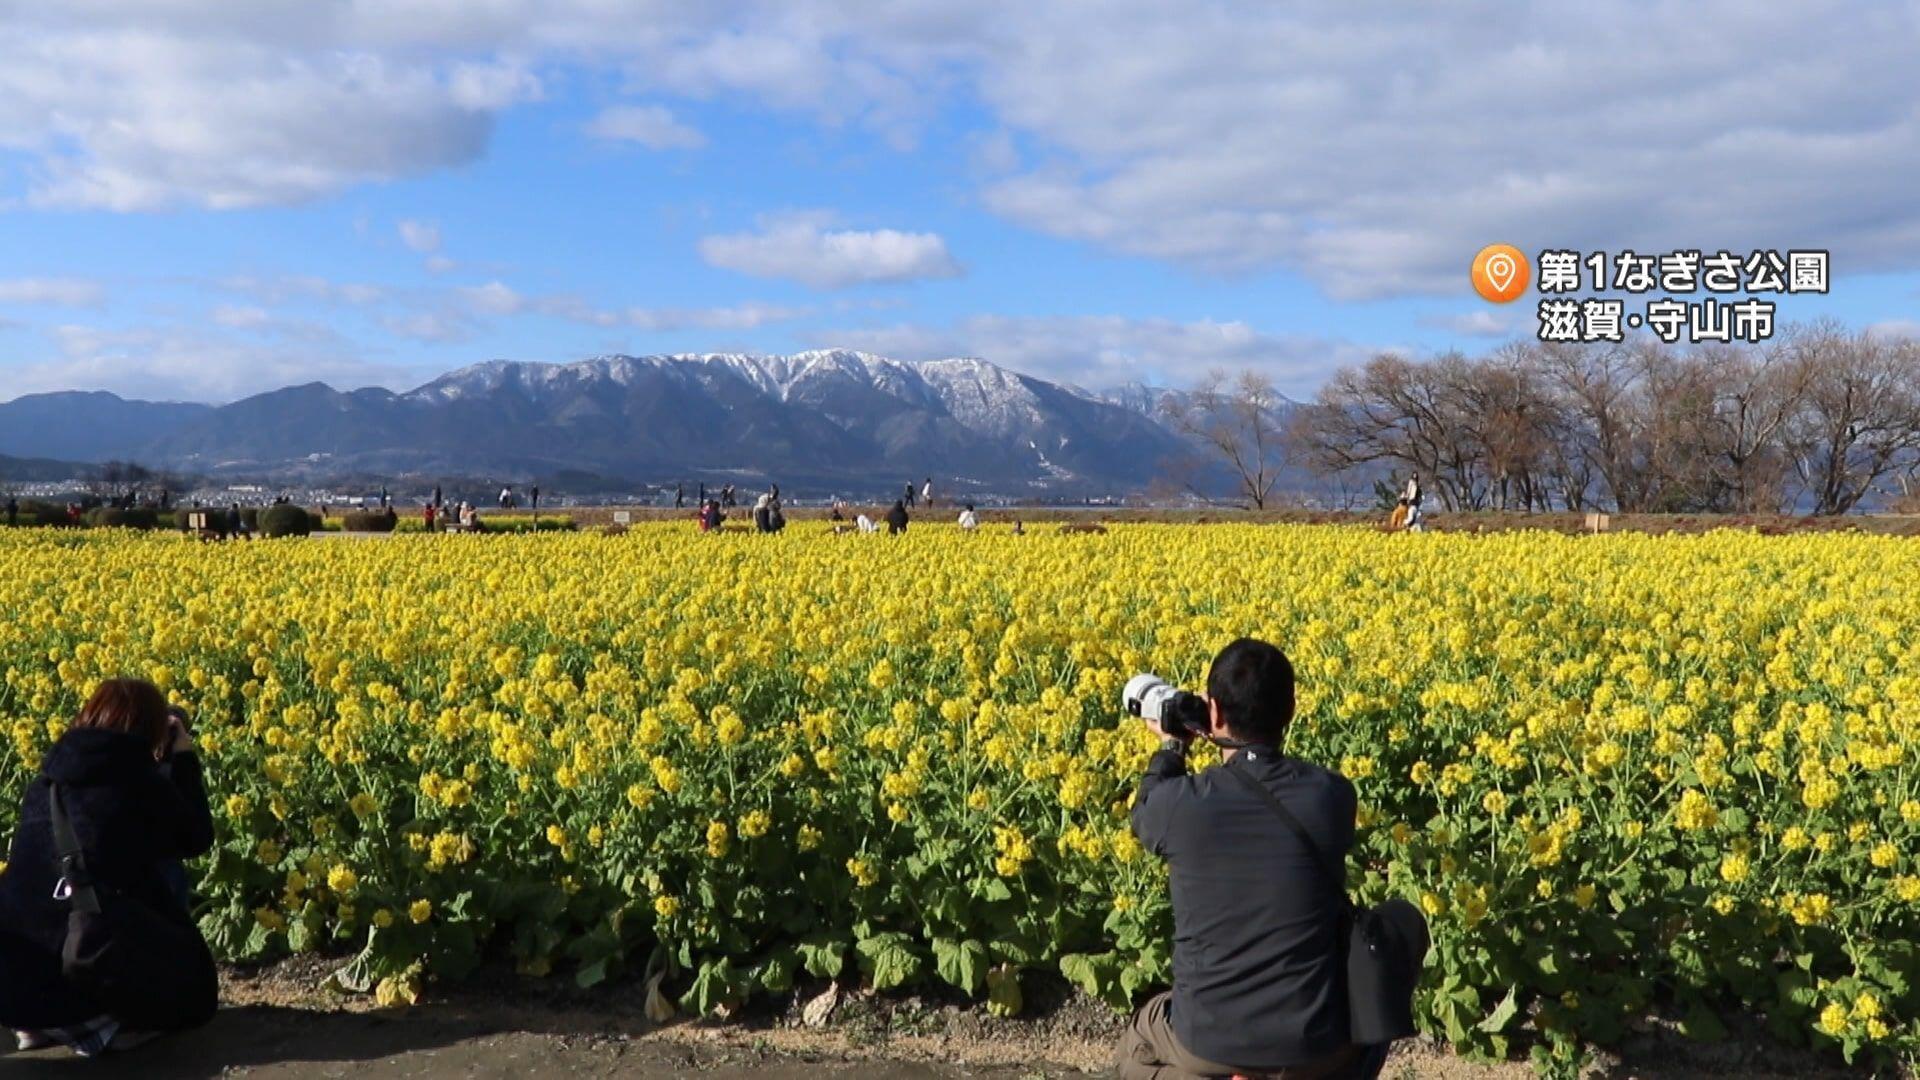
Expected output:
(1149, 1050)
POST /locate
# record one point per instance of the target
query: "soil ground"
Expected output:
(277, 1023)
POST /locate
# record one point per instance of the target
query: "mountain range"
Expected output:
(828, 419)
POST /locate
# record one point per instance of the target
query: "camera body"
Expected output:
(1179, 713)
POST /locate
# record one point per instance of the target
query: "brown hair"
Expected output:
(134, 706)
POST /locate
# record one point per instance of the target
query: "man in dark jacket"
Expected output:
(1258, 984)
(132, 820)
(897, 517)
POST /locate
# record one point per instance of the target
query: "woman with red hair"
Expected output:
(118, 803)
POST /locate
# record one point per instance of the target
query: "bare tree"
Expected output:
(1650, 427)
(116, 482)
(1756, 395)
(1860, 419)
(1237, 418)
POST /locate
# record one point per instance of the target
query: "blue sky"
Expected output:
(199, 204)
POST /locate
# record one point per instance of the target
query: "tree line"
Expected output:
(1820, 420)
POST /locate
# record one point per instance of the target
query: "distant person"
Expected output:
(865, 524)
(1019, 529)
(437, 504)
(13, 511)
(967, 519)
(835, 514)
(703, 493)
(763, 514)
(385, 501)
(897, 517)
(1412, 497)
(926, 493)
(710, 516)
(124, 786)
(679, 496)
(506, 498)
(910, 496)
(426, 517)
(237, 521)
(533, 497)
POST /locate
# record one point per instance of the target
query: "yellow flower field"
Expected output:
(1623, 774)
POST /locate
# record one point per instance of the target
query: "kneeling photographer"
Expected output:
(1264, 937)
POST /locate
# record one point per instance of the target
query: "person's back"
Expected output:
(132, 819)
(1256, 977)
(1258, 972)
(897, 518)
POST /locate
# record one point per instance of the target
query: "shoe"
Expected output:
(28, 1041)
(129, 1040)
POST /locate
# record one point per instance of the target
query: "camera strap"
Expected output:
(75, 884)
(1334, 874)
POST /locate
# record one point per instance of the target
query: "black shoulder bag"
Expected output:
(1384, 947)
(150, 972)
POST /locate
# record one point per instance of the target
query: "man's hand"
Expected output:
(179, 739)
(1181, 734)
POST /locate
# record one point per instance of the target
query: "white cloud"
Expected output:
(1481, 322)
(799, 247)
(1896, 330)
(51, 292)
(499, 299)
(437, 327)
(734, 317)
(1372, 148)
(276, 290)
(420, 236)
(173, 363)
(1104, 351)
(493, 298)
(241, 316)
(652, 126)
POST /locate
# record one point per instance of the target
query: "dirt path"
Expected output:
(435, 1042)
(276, 1024)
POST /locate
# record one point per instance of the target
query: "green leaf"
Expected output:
(823, 958)
(888, 959)
(299, 935)
(1702, 1024)
(776, 972)
(961, 963)
(591, 975)
(356, 976)
(1502, 1014)
(1081, 971)
(713, 987)
(992, 890)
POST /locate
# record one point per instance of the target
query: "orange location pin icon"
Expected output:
(1500, 273)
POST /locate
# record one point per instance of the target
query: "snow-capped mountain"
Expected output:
(836, 419)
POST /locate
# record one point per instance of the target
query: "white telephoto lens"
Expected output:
(1134, 697)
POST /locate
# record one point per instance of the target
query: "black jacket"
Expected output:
(1257, 976)
(897, 519)
(130, 819)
